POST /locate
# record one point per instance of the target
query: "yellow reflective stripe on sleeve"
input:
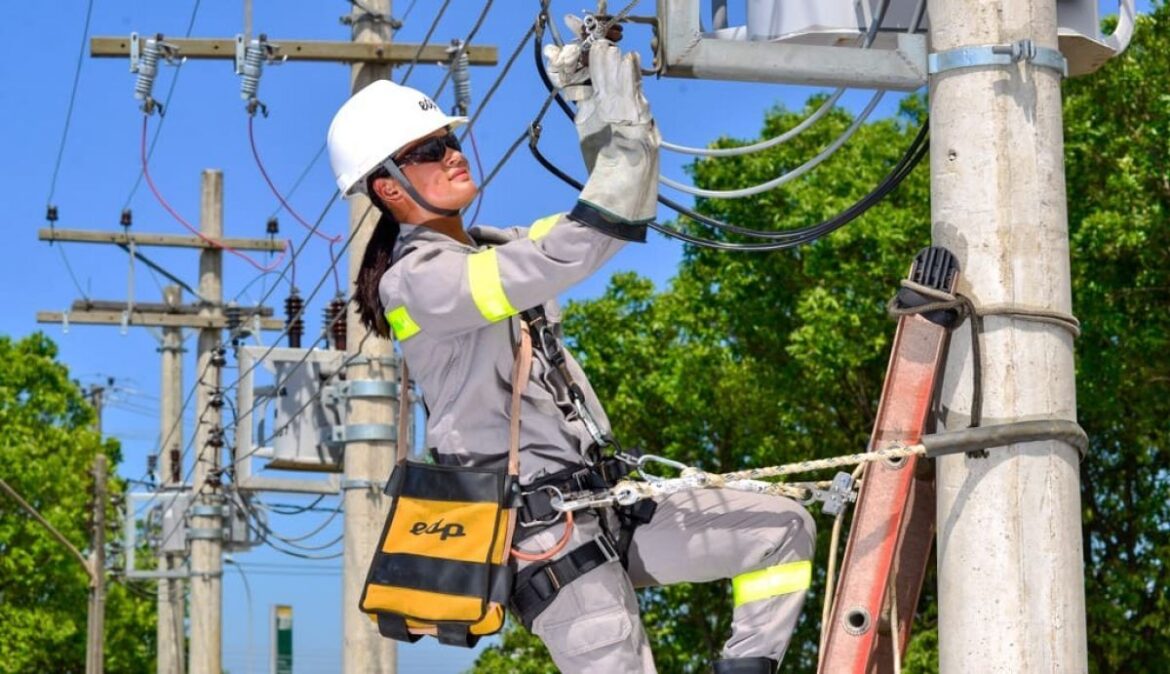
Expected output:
(771, 582)
(401, 323)
(542, 226)
(483, 273)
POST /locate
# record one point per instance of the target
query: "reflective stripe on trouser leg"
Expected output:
(772, 581)
(483, 274)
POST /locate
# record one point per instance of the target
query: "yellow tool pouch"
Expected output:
(441, 566)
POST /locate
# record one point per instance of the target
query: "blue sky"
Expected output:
(206, 127)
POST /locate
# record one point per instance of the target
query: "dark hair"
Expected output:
(375, 261)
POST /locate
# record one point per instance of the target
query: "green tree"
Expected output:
(763, 359)
(1117, 136)
(47, 451)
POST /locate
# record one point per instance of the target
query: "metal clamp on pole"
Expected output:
(362, 388)
(364, 433)
(978, 56)
(205, 533)
(359, 483)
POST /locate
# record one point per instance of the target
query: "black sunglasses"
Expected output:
(431, 149)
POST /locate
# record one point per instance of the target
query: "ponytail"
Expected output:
(376, 260)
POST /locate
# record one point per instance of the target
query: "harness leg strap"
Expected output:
(537, 586)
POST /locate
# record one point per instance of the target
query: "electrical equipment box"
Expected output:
(288, 418)
(170, 513)
(238, 534)
(158, 520)
(817, 41)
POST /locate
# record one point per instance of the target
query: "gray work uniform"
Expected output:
(451, 306)
(461, 301)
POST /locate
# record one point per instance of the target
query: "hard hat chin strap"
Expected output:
(398, 175)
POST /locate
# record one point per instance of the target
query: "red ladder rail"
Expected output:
(893, 523)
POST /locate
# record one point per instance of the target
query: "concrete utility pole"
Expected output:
(1011, 582)
(206, 531)
(95, 651)
(364, 650)
(171, 602)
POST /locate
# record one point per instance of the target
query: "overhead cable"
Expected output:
(72, 100)
(308, 299)
(783, 239)
(463, 46)
(793, 238)
(825, 107)
(426, 40)
(498, 81)
(795, 173)
(288, 207)
(51, 210)
(824, 154)
(163, 202)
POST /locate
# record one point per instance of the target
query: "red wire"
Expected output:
(214, 242)
(538, 556)
(478, 167)
(289, 208)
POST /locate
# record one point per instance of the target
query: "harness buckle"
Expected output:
(554, 495)
(607, 548)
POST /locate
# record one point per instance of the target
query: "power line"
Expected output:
(425, 41)
(72, 100)
(463, 46)
(499, 80)
(779, 240)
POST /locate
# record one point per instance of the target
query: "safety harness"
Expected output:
(538, 584)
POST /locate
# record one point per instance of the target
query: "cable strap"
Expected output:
(966, 307)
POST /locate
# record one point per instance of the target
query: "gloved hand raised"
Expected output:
(565, 67)
(618, 138)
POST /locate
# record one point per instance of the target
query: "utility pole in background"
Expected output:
(206, 530)
(367, 463)
(1011, 581)
(171, 602)
(95, 394)
(95, 651)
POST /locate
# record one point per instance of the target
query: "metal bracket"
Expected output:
(978, 56)
(349, 483)
(208, 511)
(839, 494)
(361, 388)
(355, 361)
(205, 534)
(364, 433)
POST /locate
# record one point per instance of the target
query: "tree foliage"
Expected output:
(46, 453)
(751, 360)
(1117, 137)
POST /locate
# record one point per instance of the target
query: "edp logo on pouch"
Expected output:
(452, 530)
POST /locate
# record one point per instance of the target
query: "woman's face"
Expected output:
(446, 183)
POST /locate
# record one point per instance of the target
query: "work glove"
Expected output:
(566, 68)
(619, 138)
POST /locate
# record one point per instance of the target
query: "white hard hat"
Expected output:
(375, 123)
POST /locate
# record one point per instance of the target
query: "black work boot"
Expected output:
(746, 666)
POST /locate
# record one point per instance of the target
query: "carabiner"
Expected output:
(654, 458)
